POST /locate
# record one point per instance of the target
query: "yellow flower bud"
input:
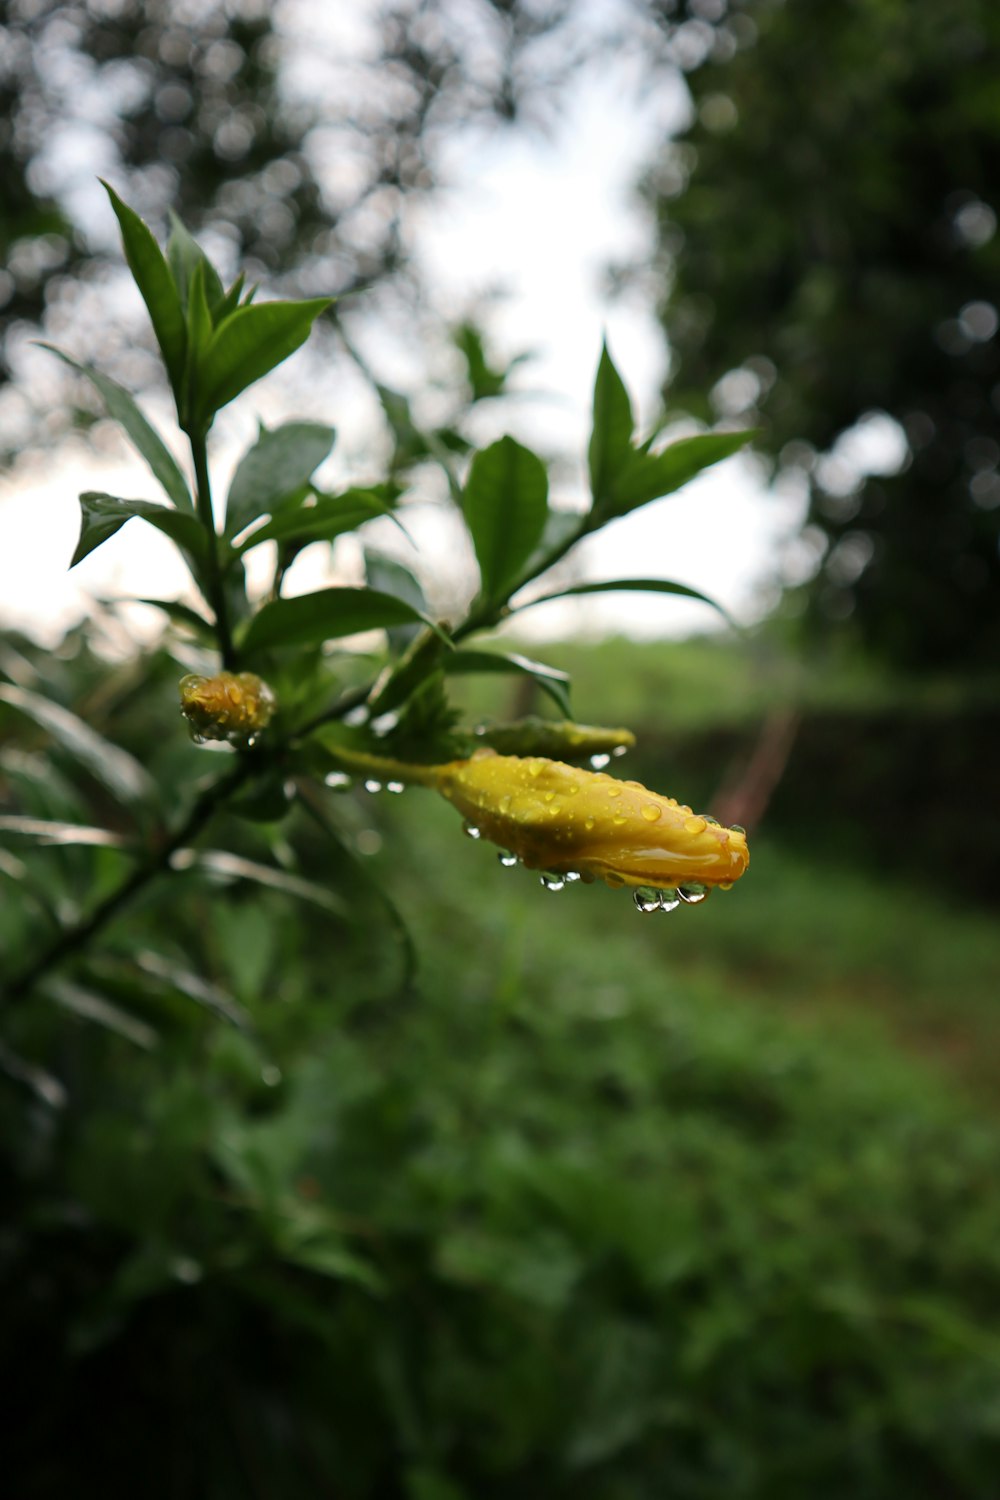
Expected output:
(229, 706)
(560, 818)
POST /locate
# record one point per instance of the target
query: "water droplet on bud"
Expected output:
(507, 859)
(552, 882)
(395, 786)
(371, 785)
(692, 895)
(337, 779)
(471, 831)
(646, 899)
(598, 762)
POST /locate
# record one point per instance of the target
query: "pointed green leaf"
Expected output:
(42, 1084)
(147, 440)
(331, 516)
(50, 831)
(650, 476)
(275, 470)
(562, 529)
(327, 615)
(230, 301)
(182, 614)
(156, 286)
(102, 515)
(95, 1008)
(235, 867)
(194, 987)
(628, 585)
(611, 438)
(183, 255)
(199, 319)
(505, 502)
(125, 778)
(549, 679)
(392, 577)
(249, 343)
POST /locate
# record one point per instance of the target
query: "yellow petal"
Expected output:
(562, 818)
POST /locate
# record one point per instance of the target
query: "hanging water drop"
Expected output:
(552, 882)
(598, 762)
(507, 859)
(251, 741)
(471, 831)
(395, 786)
(669, 901)
(619, 751)
(371, 785)
(646, 899)
(736, 828)
(692, 895)
(571, 876)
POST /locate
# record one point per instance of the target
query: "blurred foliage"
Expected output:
(297, 158)
(578, 1212)
(828, 224)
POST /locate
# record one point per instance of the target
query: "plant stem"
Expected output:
(72, 939)
(215, 587)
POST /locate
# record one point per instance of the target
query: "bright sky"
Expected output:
(541, 218)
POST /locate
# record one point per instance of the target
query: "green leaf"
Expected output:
(123, 776)
(50, 831)
(156, 286)
(182, 614)
(102, 515)
(628, 585)
(562, 529)
(549, 679)
(91, 1007)
(234, 867)
(650, 476)
(147, 440)
(43, 1085)
(613, 423)
(392, 577)
(327, 615)
(230, 301)
(193, 987)
(245, 346)
(275, 470)
(199, 326)
(505, 502)
(183, 255)
(328, 518)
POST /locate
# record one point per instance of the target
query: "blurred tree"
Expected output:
(828, 225)
(293, 152)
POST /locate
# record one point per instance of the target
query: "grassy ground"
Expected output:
(827, 943)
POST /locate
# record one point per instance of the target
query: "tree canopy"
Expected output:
(828, 225)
